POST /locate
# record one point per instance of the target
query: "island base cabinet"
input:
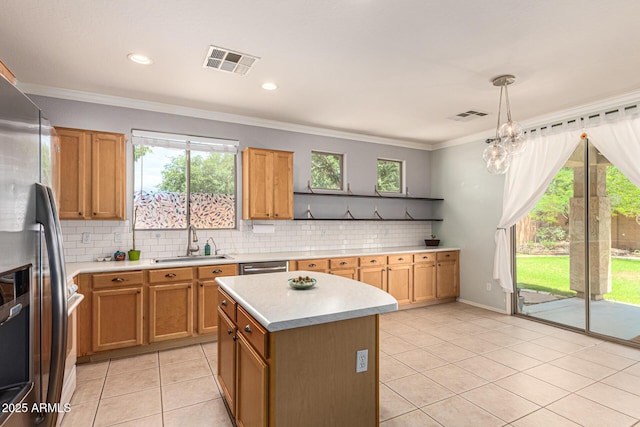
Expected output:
(313, 379)
(252, 402)
(227, 336)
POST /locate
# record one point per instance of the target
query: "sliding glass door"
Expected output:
(583, 239)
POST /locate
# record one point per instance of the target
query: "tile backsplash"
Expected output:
(103, 238)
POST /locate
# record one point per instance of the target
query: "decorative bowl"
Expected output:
(302, 282)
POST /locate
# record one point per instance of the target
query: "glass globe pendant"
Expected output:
(496, 157)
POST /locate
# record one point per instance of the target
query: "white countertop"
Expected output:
(75, 268)
(276, 306)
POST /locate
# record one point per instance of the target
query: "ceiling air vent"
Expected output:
(227, 60)
(467, 116)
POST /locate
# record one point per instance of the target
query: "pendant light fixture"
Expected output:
(510, 138)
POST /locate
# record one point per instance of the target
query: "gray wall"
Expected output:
(471, 211)
(360, 156)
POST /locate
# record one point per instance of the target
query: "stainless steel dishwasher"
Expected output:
(263, 267)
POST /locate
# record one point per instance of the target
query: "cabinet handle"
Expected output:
(117, 279)
(139, 291)
(343, 263)
(170, 275)
(202, 285)
(229, 331)
(311, 265)
(248, 329)
(389, 269)
(79, 213)
(425, 257)
(276, 215)
(373, 261)
(218, 271)
(224, 303)
(448, 255)
(94, 214)
(400, 259)
(235, 338)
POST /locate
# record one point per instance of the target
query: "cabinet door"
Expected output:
(71, 173)
(252, 400)
(207, 303)
(374, 276)
(424, 281)
(400, 282)
(257, 184)
(447, 279)
(227, 359)
(282, 185)
(170, 311)
(116, 318)
(107, 176)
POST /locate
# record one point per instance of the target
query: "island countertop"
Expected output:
(276, 306)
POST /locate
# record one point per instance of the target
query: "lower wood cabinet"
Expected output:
(227, 337)
(415, 278)
(253, 386)
(170, 311)
(117, 318)
(139, 307)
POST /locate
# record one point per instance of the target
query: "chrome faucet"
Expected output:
(215, 247)
(191, 230)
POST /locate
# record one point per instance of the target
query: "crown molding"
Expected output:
(550, 118)
(159, 107)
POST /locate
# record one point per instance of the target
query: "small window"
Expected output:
(390, 176)
(327, 171)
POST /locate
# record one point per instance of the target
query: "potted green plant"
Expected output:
(134, 255)
(433, 241)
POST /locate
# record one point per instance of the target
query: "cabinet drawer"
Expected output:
(227, 304)
(372, 261)
(109, 280)
(213, 271)
(254, 332)
(313, 264)
(400, 259)
(343, 262)
(448, 255)
(170, 275)
(425, 257)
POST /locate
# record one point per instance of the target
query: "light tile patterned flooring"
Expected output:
(450, 365)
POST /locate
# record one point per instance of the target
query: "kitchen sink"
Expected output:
(182, 258)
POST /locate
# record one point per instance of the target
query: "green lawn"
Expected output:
(551, 274)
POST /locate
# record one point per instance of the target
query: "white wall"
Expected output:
(289, 235)
(472, 209)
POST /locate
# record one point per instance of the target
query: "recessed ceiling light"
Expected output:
(138, 58)
(269, 86)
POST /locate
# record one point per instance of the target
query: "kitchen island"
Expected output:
(290, 357)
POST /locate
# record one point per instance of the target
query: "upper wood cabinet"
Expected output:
(267, 184)
(90, 174)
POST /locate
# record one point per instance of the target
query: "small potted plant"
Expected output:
(134, 255)
(433, 241)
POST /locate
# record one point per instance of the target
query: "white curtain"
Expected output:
(526, 181)
(619, 142)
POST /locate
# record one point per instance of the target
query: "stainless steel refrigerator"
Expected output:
(33, 291)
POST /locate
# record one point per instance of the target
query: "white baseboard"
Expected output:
(486, 307)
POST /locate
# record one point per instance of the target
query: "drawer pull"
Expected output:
(312, 265)
(389, 269)
(118, 279)
(373, 261)
(448, 255)
(248, 329)
(229, 331)
(224, 303)
(343, 263)
(218, 271)
(170, 275)
(400, 259)
(425, 257)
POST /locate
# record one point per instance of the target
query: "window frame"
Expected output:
(187, 143)
(403, 177)
(343, 172)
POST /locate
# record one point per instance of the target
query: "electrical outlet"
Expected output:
(488, 286)
(86, 238)
(117, 237)
(362, 360)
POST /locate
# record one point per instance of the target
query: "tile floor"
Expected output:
(449, 365)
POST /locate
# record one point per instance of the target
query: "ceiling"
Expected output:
(388, 69)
